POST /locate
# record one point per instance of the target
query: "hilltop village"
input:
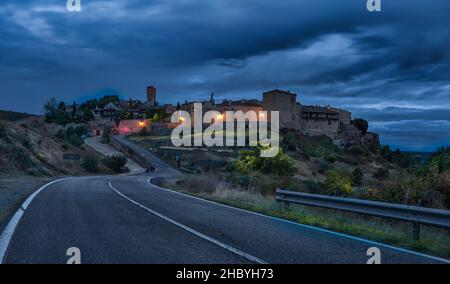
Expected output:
(130, 116)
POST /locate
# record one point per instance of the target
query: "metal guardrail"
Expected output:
(413, 214)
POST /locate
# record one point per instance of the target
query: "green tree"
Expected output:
(115, 163)
(357, 176)
(75, 140)
(50, 109)
(103, 101)
(74, 110)
(361, 124)
(90, 164)
(144, 131)
(251, 160)
(2, 129)
(381, 174)
(337, 184)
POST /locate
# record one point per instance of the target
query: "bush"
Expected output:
(357, 150)
(90, 164)
(2, 129)
(105, 137)
(381, 174)
(75, 140)
(361, 124)
(144, 131)
(250, 161)
(115, 163)
(332, 158)
(357, 176)
(338, 184)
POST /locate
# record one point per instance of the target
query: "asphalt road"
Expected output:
(124, 219)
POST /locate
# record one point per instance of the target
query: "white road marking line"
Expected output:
(190, 230)
(6, 236)
(307, 226)
(8, 232)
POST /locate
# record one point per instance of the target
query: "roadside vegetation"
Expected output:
(116, 163)
(435, 241)
(239, 177)
(317, 165)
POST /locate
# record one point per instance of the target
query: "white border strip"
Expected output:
(307, 226)
(8, 232)
(190, 230)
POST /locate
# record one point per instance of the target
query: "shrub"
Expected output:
(357, 150)
(357, 176)
(197, 184)
(338, 184)
(115, 163)
(75, 140)
(381, 173)
(361, 124)
(250, 161)
(2, 129)
(90, 164)
(60, 134)
(332, 158)
(144, 131)
(22, 158)
(105, 137)
(26, 141)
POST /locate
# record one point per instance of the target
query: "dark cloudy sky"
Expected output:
(392, 67)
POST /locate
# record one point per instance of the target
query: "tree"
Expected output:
(337, 184)
(62, 106)
(74, 110)
(357, 176)
(143, 131)
(2, 129)
(75, 140)
(381, 174)
(90, 164)
(251, 160)
(50, 109)
(106, 133)
(361, 124)
(103, 101)
(87, 115)
(116, 163)
(123, 115)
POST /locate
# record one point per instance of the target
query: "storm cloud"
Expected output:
(391, 67)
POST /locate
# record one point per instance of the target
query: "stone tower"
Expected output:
(151, 96)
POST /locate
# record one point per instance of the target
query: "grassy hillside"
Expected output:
(30, 147)
(13, 116)
(359, 171)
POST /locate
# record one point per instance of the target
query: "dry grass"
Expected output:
(14, 190)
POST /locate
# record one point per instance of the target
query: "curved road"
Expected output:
(125, 219)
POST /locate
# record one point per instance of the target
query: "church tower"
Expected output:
(151, 96)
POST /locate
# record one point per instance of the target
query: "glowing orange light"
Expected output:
(261, 114)
(181, 119)
(142, 123)
(219, 117)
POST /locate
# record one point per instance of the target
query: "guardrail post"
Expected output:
(286, 204)
(416, 231)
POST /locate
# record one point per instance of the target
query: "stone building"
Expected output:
(241, 105)
(317, 120)
(151, 96)
(286, 103)
(307, 120)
